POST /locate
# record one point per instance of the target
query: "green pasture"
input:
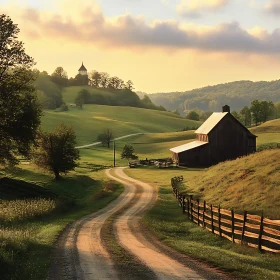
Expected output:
(69, 94)
(93, 119)
(29, 227)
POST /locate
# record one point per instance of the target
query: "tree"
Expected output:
(104, 79)
(19, 108)
(236, 115)
(79, 101)
(95, 79)
(256, 111)
(267, 108)
(128, 152)
(56, 150)
(59, 76)
(193, 115)
(129, 85)
(246, 116)
(106, 137)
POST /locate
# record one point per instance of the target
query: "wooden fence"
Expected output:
(252, 230)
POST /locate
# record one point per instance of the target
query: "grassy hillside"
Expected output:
(268, 132)
(93, 119)
(34, 209)
(167, 222)
(236, 94)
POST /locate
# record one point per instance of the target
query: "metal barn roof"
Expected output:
(210, 123)
(188, 146)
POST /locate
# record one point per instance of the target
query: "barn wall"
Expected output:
(229, 140)
(195, 157)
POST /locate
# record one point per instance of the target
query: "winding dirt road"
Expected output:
(84, 253)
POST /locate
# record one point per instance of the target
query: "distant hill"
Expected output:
(212, 98)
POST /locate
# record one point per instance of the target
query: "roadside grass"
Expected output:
(173, 228)
(30, 227)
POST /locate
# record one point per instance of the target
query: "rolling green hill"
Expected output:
(236, 94)
(93, 119)
(268, 132)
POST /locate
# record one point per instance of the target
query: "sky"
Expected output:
(161, 45)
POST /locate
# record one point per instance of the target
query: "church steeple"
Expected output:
(83, 70)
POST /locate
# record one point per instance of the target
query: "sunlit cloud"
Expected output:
(194, 8)
(126, 31)
(273, 7)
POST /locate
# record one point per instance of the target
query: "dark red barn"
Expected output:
(221, 137)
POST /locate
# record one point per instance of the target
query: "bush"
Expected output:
(268, 146)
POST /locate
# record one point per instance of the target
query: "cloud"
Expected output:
(194, 8)
(273, 7)
(90, 27)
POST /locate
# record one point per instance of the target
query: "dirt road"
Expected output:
(84, 252)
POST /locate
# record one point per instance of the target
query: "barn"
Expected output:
(221, 137)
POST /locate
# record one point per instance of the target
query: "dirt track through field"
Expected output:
(82, 249)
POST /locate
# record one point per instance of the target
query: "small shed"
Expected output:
(221, 137)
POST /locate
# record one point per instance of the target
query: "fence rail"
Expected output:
(252, 230)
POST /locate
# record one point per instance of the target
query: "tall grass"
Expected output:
(17, 210)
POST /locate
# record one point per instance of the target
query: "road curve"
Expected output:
(82, 254)
(161, 264)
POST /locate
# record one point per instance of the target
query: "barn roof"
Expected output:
(210, 123)
(82, 68)
(188, 146)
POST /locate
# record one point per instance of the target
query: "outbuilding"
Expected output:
(221, 137)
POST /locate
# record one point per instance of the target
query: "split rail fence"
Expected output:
(252, 230)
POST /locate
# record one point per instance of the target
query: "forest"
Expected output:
(211, 98)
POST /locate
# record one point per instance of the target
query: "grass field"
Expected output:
(29, 227)
(268, 132)
(93, 119)
(70, 93)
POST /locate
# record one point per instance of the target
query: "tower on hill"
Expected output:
(83, 70)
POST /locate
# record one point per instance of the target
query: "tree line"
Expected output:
(257, 113)
(120, 97)
(95, 79)
(212, 98)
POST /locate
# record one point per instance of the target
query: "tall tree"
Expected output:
(56, 150)
(60, 72)
(59, 76)
(106, 137)
(19, 109)
(129, 85)
(246, 116)
(256, 111)
(95, 79)
(267, 108)
(104, 79)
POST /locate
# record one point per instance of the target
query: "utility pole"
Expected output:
(114, 154)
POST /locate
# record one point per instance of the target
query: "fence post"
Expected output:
(219, 223)
(184, 204)
(260, 235)
(244, 225)
(232, 225)
(198, 212)
(191, 199)
(212, 219)
(188, 205)
(204, 210)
